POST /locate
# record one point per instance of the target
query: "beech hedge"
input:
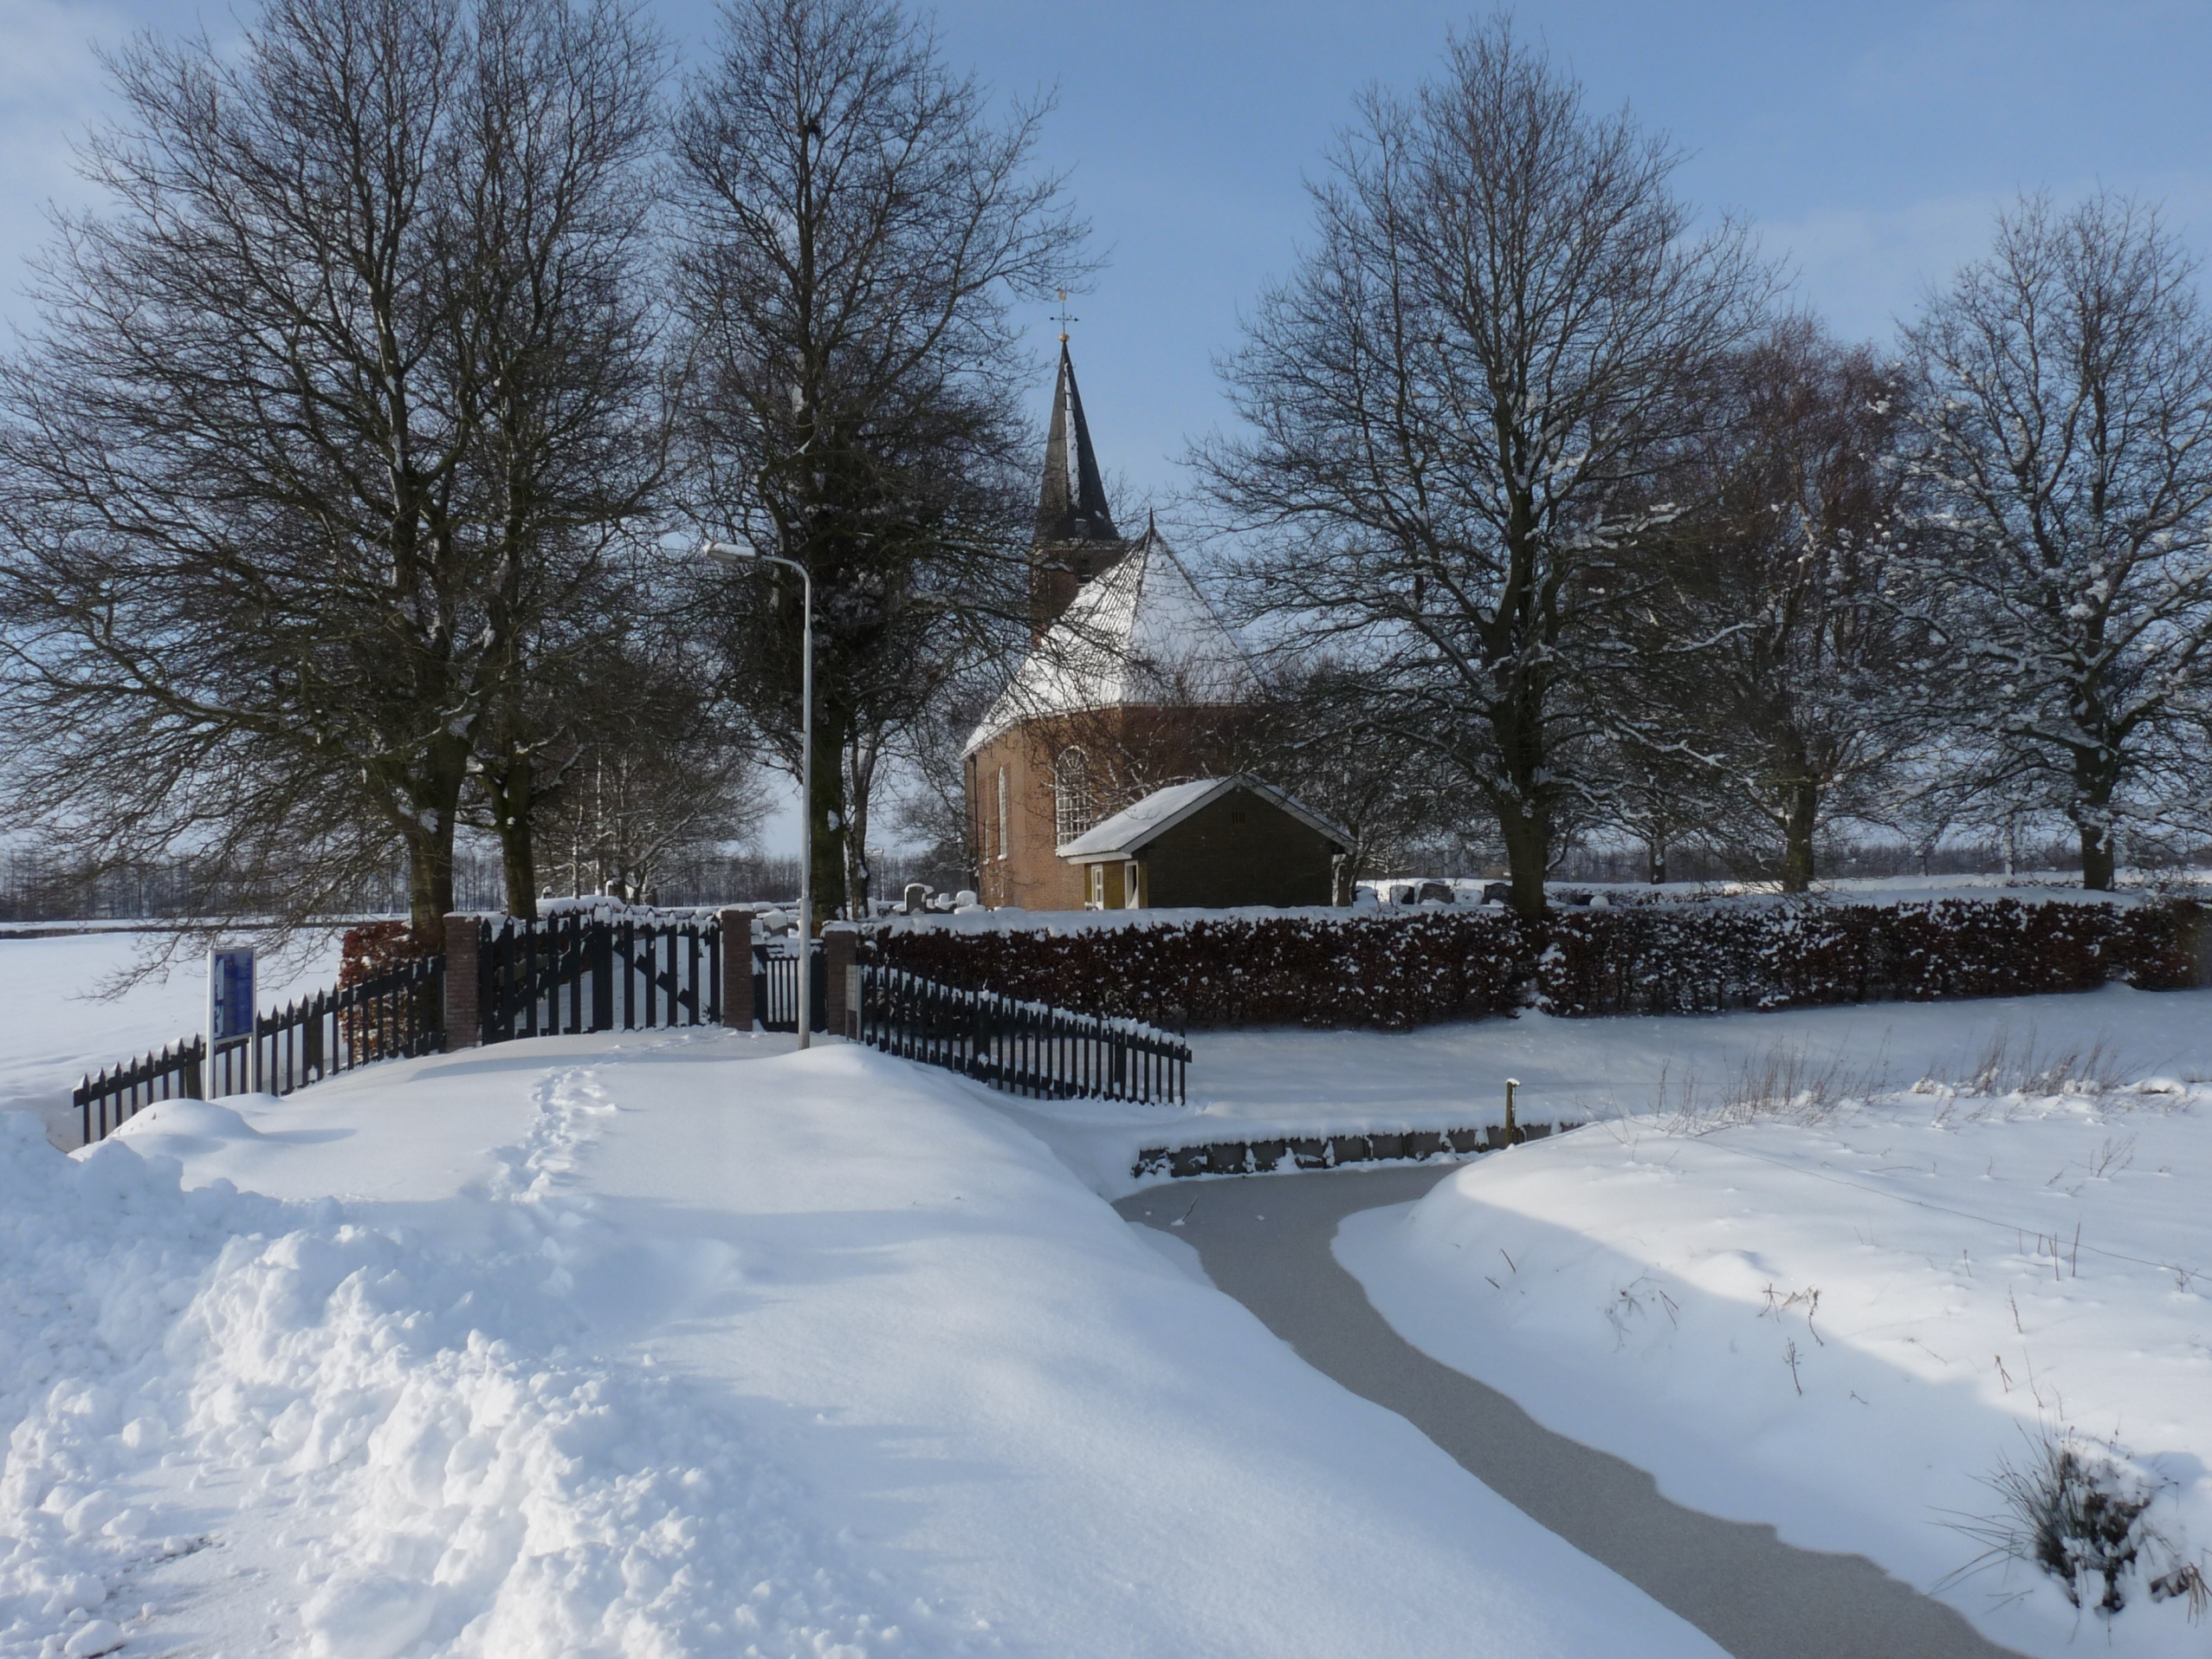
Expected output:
(1396, 973)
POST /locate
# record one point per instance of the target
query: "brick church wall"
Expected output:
(1131, 750)
(1020, 866)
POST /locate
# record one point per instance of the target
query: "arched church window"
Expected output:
(1072, 812)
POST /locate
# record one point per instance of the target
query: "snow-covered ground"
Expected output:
(678, 1343)
(667, 1343)
(1259, 1085)
(1844, 1316)
(56, 1026)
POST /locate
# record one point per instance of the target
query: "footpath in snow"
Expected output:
(1798, 1289)
(679, 1344)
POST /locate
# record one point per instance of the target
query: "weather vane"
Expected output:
(1064, 318)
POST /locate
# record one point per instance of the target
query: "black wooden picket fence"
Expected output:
(775, 986)
(392, 1016)
(119, 1093)
(575, 972)
(1022, 1047)
(396, 1015)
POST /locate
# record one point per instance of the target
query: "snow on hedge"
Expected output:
(1334, 969)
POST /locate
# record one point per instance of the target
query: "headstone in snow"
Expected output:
(917, 897)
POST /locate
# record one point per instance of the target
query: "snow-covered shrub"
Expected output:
(1355, 969)
(2078, 1510)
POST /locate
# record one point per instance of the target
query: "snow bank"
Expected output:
(1841, 1317)
(1254, 1085)
(453, 1480)
(666, 1344)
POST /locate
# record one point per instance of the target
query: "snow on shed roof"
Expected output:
(1142, 634)
(1135, 826)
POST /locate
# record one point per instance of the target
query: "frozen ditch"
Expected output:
(1267, 1242)
(1877, 1317)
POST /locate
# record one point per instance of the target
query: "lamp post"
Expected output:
(724, 552)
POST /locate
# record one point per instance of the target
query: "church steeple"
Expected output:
(1076, 537)
(1071, 507)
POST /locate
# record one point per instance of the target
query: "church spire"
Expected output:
(1071, 507)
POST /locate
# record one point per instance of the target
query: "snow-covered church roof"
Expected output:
(1142, 634)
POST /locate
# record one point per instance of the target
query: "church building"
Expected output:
(1132, 684)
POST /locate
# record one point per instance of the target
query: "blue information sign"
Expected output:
(230, 995)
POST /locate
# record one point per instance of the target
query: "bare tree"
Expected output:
(2065, 423)
(660, 775)
(1316, 732)
(1776, 685)
(1461, 406)
(332, 409)
(857, 226)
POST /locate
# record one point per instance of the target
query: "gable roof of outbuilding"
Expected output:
(1135, 827)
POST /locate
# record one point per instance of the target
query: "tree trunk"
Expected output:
(1797, 847)
(518, 860)
(1656, 846)
(430, 879)
(2099, 867)
(434, 792)
(508, 792)
(1527, 830)
(827, 873)
(2096, 776)
(857, 884)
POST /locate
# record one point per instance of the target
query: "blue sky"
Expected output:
(1869, 142)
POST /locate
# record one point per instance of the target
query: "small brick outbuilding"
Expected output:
(1213, 842)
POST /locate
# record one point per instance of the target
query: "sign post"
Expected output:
(230, 1004)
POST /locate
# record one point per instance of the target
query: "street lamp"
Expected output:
(724, 552)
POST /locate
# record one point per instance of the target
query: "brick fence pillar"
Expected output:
(840, 950)
(737, 967)
(464, 1025)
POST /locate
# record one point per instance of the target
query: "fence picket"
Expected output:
(1023, 1048)
(530, 969)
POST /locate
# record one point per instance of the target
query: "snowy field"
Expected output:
(1802, 1292)
(679, 1344)
(56, 1027)
(1259, 1085)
